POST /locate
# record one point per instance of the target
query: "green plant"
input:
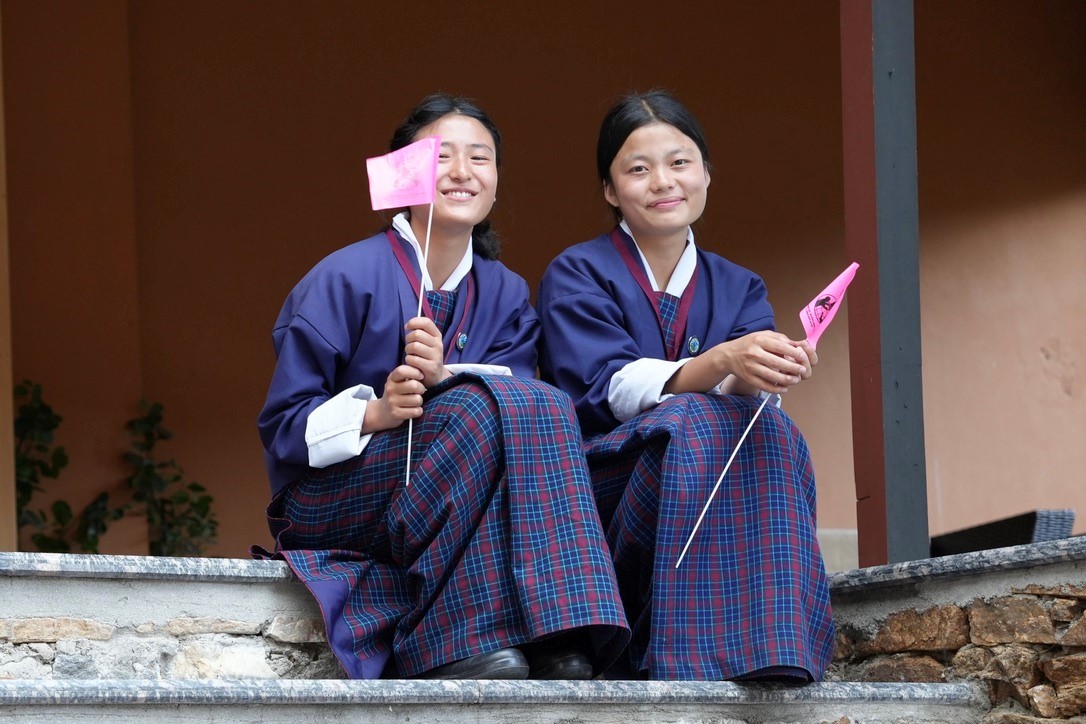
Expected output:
(35, 455)
(57, 529)
(179, 516)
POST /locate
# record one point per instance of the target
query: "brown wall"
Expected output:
(228, 139)
(75, 318)
(7, 458)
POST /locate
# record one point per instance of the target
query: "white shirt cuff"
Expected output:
(333, 430)
(639, 386)
(480, 369)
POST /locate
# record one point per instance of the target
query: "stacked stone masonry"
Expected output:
(1027, 648)
(182, 648)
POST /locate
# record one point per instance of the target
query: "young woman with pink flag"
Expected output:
(492, 562)
(667, 349)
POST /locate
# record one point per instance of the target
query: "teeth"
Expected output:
(459, 194)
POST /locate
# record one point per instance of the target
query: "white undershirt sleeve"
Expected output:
(639, 386)
(480, 369)
(333, 431)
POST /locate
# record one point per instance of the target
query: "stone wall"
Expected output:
(180, 648)
(1028, 648)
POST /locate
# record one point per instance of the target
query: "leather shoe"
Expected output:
(500, 664)
(559, 664)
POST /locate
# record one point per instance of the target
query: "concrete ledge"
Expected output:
(147, 568)
(1066, 550)
(455, 701)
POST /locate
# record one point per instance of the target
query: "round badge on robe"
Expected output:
(461, 341)
(693, 344)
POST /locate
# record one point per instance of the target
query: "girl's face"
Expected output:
(467, 174)
(658, 182)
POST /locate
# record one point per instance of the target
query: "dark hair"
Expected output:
(641, 109)
(432, 108)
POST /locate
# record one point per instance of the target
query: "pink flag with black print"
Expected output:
(405, 177)
(817, 315)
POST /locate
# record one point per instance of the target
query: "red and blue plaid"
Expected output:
(442, 304)
(495, 543)
(751, 592)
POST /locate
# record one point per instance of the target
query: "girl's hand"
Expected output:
(769, 361)
(401, 401)
(424, 351)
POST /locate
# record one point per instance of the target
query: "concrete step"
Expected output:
(133, 638)
(453, 702)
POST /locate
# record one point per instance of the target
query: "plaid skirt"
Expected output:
(495, 543)
(752, 591)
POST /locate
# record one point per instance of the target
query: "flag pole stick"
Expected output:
(719, 481)
(422, 291)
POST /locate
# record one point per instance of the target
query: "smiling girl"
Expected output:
(496, 543)
(666, 349)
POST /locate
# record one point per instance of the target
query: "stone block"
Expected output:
(17, 662)
(1063, 610)
(1075, 635)
(1042, 701)
(194, 626)
(127, 657)
(218, 656)
(970, 661)
(296, 630)
(1016, 666)
(51, 630)
(936, 629)
(1013, 619)
(903, 668)
(41, 652)
(1071, 699)
(1064, 591)
(295, 663)
(1068, 670)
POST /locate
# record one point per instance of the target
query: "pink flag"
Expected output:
(406, 177)
(817, 315)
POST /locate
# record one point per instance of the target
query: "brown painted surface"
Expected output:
(174, 168)
(7, 457)
(861, 243)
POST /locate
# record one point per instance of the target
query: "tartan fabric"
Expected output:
(669, 312)
(495, 543)
(751, 592)
(442, 304)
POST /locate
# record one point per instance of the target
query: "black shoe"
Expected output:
(560, 664)
(500, 664)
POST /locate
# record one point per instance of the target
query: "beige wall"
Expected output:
(228, 139)
(1002, 162)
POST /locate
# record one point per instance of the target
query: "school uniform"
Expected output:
(496, 541)
(751, 593)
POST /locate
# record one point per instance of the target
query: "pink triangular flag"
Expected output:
(817, 315)
(405, 177)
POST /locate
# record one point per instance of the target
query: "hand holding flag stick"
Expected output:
(815, 317)
(407, 177)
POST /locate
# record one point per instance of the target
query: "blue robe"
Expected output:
(597, 320)
(343, 325)
(751, 597)
(496, 542)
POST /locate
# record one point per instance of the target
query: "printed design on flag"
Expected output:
(405, 177)
(823, 305)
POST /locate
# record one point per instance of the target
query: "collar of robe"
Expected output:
(413, 275)
(673, 345)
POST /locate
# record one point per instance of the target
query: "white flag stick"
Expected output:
(719, 481)
(425, 274)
